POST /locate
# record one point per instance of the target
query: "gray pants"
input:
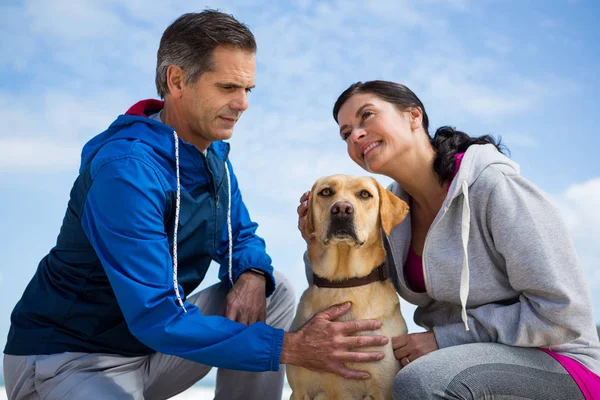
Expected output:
(158, 376)
(485, 371)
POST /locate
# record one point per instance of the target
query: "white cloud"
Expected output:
(45, 131)
(580, 206)
(21, 154)
(581, 203)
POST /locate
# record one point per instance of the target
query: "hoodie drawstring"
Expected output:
(464, 275)
(177, 208)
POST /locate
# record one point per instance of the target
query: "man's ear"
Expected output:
(392, 210)
(310, 227)
(175, 80)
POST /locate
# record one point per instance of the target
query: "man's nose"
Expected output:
(240, 102)
(342, 209)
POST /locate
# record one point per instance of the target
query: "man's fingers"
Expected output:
(335, 311)
(230, 313)
(360, 325)
(353, 342)
(351, 373)
(360, 356)
(399, 341)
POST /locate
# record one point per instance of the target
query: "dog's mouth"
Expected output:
(342, 231)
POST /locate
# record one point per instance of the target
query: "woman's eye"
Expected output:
(364, 194)
(325, 192)
(366, 115)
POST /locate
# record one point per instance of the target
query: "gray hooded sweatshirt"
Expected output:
(499, 265)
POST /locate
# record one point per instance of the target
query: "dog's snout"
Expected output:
(342, 209)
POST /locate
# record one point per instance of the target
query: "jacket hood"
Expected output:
(158, 135)
(135, 124)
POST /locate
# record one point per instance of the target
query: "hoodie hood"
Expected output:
(476, 159)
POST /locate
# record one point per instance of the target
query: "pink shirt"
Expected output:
(588, 382)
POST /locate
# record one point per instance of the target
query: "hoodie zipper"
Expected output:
(425, 277)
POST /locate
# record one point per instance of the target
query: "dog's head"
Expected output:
(352, 209)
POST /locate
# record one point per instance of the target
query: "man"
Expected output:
(106, 314)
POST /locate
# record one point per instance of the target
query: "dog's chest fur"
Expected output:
(377, 300)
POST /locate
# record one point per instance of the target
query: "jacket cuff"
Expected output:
(270, 279)
(277, 348)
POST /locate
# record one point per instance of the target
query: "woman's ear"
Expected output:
(415, 115)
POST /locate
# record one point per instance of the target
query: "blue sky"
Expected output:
(523, 70)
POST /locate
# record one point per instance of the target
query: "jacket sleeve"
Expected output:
(123, 219)
(554, 305)
(249, 250)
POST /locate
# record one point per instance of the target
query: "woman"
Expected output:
(484, 256)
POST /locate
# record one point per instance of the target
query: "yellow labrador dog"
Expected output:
(347, 215)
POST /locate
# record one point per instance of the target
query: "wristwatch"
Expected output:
(257, 271)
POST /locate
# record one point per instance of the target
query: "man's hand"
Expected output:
(246, 302)
(302, 215)
(407, 348)
(324, 346)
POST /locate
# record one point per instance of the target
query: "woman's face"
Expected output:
(374, 130)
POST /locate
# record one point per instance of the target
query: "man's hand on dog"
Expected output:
(409, 347)
(324, 345)
(302, 215)
(246, 302)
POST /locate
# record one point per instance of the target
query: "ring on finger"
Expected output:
(407, 360)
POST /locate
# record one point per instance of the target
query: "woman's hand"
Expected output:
(409, 347)
(302, 214)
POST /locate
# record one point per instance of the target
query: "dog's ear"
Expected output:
(392, 210)
(310, 227)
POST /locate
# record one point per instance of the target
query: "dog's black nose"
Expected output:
(342, 209)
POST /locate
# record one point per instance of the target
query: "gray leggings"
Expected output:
(158, 376)
(485, 371)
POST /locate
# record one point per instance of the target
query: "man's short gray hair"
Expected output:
(190, 40)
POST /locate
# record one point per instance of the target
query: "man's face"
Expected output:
(212, 105)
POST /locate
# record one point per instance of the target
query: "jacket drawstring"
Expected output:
(177, 206)
(229, 224)
(177, 209)
(464, 275)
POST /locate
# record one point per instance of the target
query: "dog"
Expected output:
(346, 215)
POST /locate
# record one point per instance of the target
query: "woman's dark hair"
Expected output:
(447, 141)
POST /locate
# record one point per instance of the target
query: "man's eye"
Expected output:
(325, 192)
(363, 194)
(248, 90)
(345, 136)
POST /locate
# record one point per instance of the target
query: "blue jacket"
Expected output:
(108, 284)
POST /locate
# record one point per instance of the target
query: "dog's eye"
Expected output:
(364, 194)
(325, 192)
